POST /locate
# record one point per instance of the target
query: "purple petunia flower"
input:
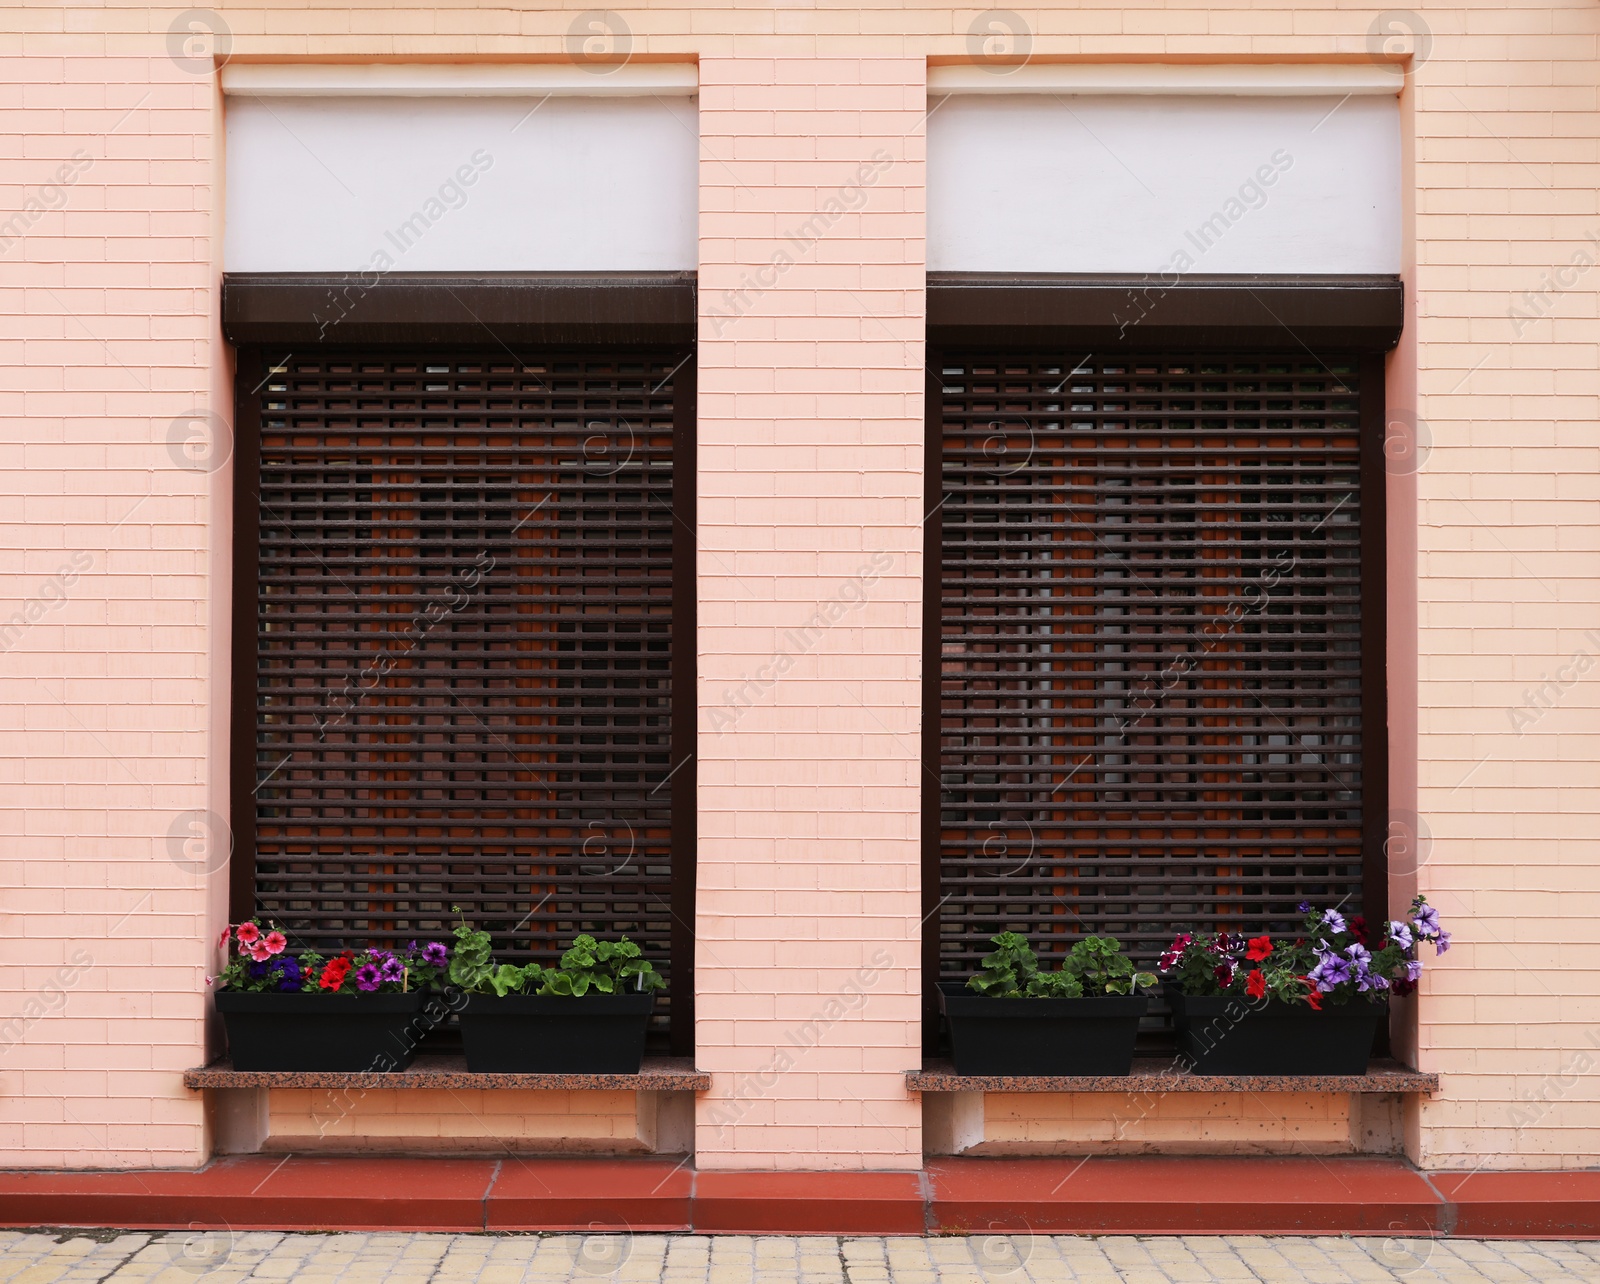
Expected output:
(1442, 944)
(1331, 971)
(392, 969)
(1304, 907)
(1372, 981)
(1400, 934)
(1334, 921)
(289, 972)
(368, 977)
(436, 954)
(1413, 970)
(1359, 954)
(1426, 922)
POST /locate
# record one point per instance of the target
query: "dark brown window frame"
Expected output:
(268, 316)
(1359, 315)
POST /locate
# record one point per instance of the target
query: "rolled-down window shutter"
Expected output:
(1151, 636)
(463, 647)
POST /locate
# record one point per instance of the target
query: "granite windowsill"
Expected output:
(659, 1074)
(1161, 1075)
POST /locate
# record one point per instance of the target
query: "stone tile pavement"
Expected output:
(221, 1256)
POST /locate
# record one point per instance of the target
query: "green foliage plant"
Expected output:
(601, 967)
(1094, 967)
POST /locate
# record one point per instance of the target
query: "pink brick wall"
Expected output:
(108, 682)
(456, 1121)
(810, 465)
(1177, 1123)
(1505, 529)
(811, 359)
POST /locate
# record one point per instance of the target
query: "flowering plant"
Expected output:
(262, 964)
(1333, 959)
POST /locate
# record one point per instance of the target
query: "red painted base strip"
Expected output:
(1143, 1195)
(590, 1194)
(1532, 1205)
(810, 1203)
(260, 1192)
(1161, 1195)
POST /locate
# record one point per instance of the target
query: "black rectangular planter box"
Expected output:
(555, 1034)
(1231, 1034)
(329, 1032)
(1040, 1036)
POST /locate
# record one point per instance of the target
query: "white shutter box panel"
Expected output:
(1206, 183)
(521, 180)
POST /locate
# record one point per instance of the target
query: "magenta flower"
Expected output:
(368, 977)
(435, 954)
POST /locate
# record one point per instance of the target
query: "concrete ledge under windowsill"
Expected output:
(1160, 1075)
(659, 1074)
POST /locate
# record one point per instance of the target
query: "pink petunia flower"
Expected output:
(249, 933)
(222, 941)
(259, 952)
(276, 942)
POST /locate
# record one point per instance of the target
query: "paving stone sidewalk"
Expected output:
(219, 1256)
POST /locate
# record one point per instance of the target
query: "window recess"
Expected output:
(460, 625)
(1154, 681)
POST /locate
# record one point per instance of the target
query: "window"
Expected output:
(1156, 638)
(463, 616)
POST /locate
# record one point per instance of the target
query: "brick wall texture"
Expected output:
(114, 551)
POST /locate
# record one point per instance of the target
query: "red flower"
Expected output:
(1358, 928)
(1260, 948)
(1312, 996)
(1255, 984)
(334, 973)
